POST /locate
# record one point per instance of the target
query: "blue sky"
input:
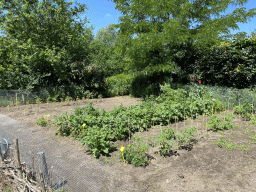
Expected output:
(102, 12)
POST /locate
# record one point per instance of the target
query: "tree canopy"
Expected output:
(168, 27)
(102, 51)
(107, 35)
(44, 45)
(45, 41)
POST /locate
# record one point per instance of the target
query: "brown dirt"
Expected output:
(198, 166)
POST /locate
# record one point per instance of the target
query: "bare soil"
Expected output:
(198, 166)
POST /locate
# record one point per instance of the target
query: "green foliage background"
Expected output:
(44, 47)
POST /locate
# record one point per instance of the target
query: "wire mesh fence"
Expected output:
(27, 177)
(60, 166)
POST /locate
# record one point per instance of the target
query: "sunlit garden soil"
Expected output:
(217, 156)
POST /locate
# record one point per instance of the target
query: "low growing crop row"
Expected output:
(97, 128)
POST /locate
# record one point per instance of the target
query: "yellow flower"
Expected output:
(122, 149)
(47, 117)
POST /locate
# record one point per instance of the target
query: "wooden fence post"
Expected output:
(17, 157)
(44, 177)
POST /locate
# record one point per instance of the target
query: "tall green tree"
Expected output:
(43, 42)
(162, 33)
(103, 54)
(102, 47)
(107, 35)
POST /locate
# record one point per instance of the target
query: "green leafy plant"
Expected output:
(198, 91)
(185, 136)
(135, 154)
(166, 140)
(95, 139)
(245, 109)
(43, 122)
(223, 124)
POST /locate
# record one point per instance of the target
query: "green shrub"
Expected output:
(119, 84)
